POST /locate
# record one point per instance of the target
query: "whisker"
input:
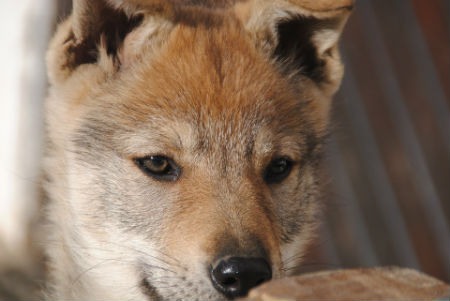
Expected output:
(176, 261)
(84, 272)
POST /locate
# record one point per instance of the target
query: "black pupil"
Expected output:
(158, 164)
(278, 170)
(279, 166)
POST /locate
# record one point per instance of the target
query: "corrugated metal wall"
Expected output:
(389, 156)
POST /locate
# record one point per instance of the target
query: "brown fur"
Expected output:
(212, 88)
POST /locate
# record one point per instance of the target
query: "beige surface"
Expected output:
(357, 284)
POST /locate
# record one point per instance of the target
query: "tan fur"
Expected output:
(198, 84)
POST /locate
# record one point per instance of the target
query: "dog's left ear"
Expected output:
(300, 35)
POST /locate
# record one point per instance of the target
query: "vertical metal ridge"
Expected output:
(382, 188)
(427, 70)
(446, 5)
(329, 246)
(343, 187)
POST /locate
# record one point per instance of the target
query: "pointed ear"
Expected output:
(97, 31)
(300, 35)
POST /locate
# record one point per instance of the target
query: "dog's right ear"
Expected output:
(99, 29)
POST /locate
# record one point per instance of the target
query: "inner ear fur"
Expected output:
(94, 23)
(297, 48)
(95, 28)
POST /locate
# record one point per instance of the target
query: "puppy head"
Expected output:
(189, 137)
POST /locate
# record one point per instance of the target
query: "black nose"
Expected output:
(235, 276)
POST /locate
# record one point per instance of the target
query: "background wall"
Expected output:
(25, 27)
(389, 155)
(388, 192)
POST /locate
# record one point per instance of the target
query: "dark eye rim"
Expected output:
(278, 177)
(171, 174)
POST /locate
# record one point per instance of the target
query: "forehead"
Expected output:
(209, 83)
(208, 71)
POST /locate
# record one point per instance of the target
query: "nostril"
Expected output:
(235, 276)
(229, 281)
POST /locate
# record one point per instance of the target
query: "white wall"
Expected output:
(25, 26)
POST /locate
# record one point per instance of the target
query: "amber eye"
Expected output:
(277, 170)
(159, 167)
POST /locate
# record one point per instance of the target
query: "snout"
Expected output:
(235, 276)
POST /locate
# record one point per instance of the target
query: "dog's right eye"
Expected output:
(159, 167)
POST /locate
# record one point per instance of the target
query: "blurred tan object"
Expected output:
(356, 284)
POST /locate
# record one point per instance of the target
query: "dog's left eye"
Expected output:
(159, 167)
(277, 170)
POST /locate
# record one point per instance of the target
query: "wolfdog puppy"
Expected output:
(183, 143)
